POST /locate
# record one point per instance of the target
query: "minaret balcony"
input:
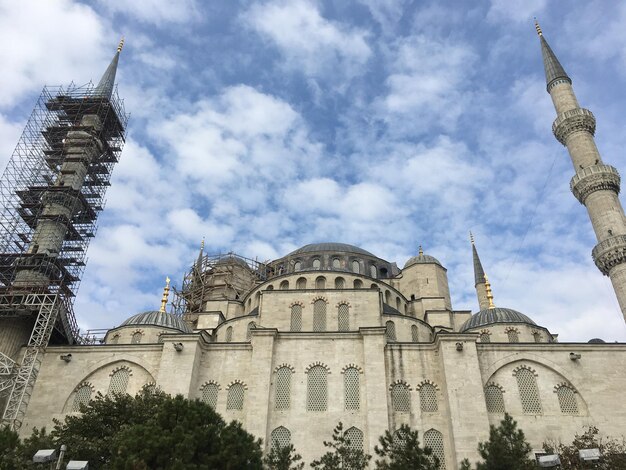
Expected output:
(594, 178)
(609, 253)
(573, 120)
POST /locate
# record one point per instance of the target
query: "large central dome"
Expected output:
(336, 247)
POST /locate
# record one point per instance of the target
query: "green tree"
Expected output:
(342, 455)
(613, 451)
(506, 448)
(283, 458)
(18, 455)
(401, 450)
(465, 465)
(10, 457)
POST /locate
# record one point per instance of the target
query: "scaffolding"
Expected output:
(51, 193)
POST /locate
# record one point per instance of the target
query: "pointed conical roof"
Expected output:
(479, 272)
(554, 69)
(106, 83)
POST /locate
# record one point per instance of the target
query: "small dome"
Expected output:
(596, 341)
(496, 315)
(334, 247)
(232, 259)
(422, 259)
(157, 318)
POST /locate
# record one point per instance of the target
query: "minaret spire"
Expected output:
(480, 279)
(595, 184)
(166, 294)
(107, 82)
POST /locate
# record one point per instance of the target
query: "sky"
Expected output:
(263, 126)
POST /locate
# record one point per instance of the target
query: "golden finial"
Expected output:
(489, 293)
(538, 28)
(166, 294)
(421, 252)
(202, 244)
(120, 45)
(471, 237)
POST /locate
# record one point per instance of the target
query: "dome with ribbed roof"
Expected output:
(334, 247)
(421, 258)
(490, 316)
(158, 318)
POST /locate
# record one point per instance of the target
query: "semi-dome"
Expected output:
(331, 246)
(422, 259)
(496, 315)
(158, 318)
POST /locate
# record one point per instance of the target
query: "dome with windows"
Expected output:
(334, 247)
(158, 318)
(490, 316)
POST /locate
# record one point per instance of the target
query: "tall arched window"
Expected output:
(301, 283)
(319, 315)
(282, 395)
(358, 284)
(81, 397)
(414, 334)
(373, 271)
(398, 304)
(513, 335)
(136, 338)
(528, 391)
(340, 283)
(317, 263)
(229, 334)
(119, 381)
(249, 329)
(234, 400)
(401, 398)
(428, 398)
(354, 437)
(391, 331)
(352, 390)
(284, 285)
(537, 336)
(356, 267)
(434, 440)
(485, 337)
(317, 389)
(567, 400)
(297, 266)
(320, 282)
(280, 437)
(209, 394)
(343, 317)
(494, 399)
(336, 263)
(296, 317)
(388, 297)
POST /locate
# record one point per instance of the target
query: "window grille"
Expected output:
(136, 338)
(209, 394)
(356, 267)
(82, 397)
(494, 399)
(284, 285)
(391, 331)
(352, 391)
(537, 337)
(119, 381)
(339, 283)
(428, 398)
(234, 400)
(229, 334)
(485, 338)
(434, 440)
(401, 398)
(528, 392)
(316, 263)
(320, 283)
(358, 284)
(114, 339)
(343, 317)
(282, 394)
(513, 336)
(373, 272)
(567, 400)
(301, 283)
(297, 266)
(317, 389)
(336, 263)
(414, 334)
(280, 437)
(249, 331)
(296, 317)
(355, 436)
(319, 315)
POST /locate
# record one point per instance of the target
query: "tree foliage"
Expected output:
(401, 450)
(506, 448)
(613, 451)
(18, 455)
(341, 454)
(283, 458)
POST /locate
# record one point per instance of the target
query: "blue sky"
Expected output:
(266, 125)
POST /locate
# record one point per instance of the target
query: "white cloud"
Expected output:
(9, 135)
(157, 12)
(515, 10)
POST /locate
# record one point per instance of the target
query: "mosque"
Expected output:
(329, 332)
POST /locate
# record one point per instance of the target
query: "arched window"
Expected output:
(528, 391)
(297, 266)
(485, 337)
(428, 398)
(373, 271)
(358, 284)
(401, 398)
(343, 317)
(119, 381)
(301, 283)
(136, 338)
(340, 283)
(383, 272)
(388, 297)
(209, 394)
(356, 267)
(234, 400)
(354, 436)
(249, 303)
(284, 285)
(317, 263)
(537, 336)
(391, 331)
(319, 315)
(374, 286)
(320, 283)
(414, 334)
(352, 390)
(81, 397)
(513, 335)
(494, 399)
(398, 304)
(336, 263)
(249, 329)
(434, 440)
(114, 339)
(296, 317)
(317, 389)
(270, 287)
(229, 334)
(282, 395)
(280, 437)
(567, 400)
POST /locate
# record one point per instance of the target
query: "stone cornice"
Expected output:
(574, 120)
(609, 253)
(594, 178)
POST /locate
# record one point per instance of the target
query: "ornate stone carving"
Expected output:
(610, 253)
(594, 178)
(578, 119)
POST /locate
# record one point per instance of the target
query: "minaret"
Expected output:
(595, 184)
(480, 279)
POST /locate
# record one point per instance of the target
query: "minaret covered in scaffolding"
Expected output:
(50, 195)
